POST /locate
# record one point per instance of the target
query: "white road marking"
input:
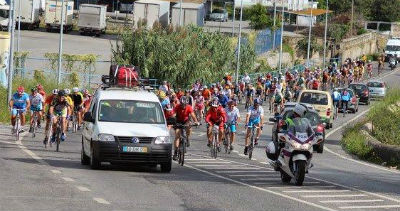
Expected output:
(261, 179)
(196, 159)
(235, 151)
(351, 201)
(83, 189)
(315, 191)
(264, 163)
(334, 196)
(208, 162)
(101, 201)
(302, 187)
(371, 207)
(54, 171)
(67, 179)
(311, 182)
(216, 165)
(247, 175)
(261, 189)
(244, 171)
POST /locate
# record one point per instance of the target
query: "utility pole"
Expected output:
(281, 48)
(274, 33)
(60, 46)
(180, 13)
(309, 34)
(326, 31)
(11, 26)
(238, 47)
(19, 24)
(352, 17)
(233, 19)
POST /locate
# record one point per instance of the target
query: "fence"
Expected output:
(264, 40)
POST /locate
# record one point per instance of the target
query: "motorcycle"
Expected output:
(292, 154)
(392, 63)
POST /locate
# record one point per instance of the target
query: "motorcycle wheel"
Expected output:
(300, 172)
(285, 177)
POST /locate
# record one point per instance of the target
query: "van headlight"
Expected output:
(106, 137)
(162, 140)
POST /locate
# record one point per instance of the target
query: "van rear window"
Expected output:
(393, 48)
(314, 98)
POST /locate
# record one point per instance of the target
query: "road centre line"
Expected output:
(68, 179)
(244, 171)
(334, 196)
(260, 179)
(248, 175)
(299, 187)
(208, 162)
(261, 189)
(55, 171)
(315, 191)
(371, 207)
(101, 201)
(83, 189)
(352, 201)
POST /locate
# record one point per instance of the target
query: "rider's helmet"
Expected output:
(39, 87)
(20, 89)
(85, 91)
(257, 101)
(184, 100)
(300, 110)
(55, 91)
(205, 87)
(61, 93)
(67, 91)
(215, 102)
(75, 89)
(162, 95)
(231, 102)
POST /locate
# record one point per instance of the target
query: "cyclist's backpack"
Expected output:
(125, 76)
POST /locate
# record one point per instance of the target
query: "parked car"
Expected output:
(311, 114)
(219, 15)
(361, 91)
(354, 101)
(322, 103)
(377, 89)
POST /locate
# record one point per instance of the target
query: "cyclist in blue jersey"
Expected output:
(254, 117)
(336, 97)
(345, 101)
(37, 104)
(20, 100)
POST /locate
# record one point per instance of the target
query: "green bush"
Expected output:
(354, 142)
(361, 31)
(385, 118)
(373, 57)
(287, 48)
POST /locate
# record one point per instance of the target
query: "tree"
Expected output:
(302, 46)
(385, 10)
(259, 18)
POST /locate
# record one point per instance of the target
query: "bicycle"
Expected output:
(57, 133)
(248, 102)
(214, 145)
(182, 142)
(227, 141)
(344, 108)
(335, 112)
(75, 121)
(199, 115)
(34, 124)
(251, 146)
(17, 126)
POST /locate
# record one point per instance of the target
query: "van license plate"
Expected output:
(134, 149)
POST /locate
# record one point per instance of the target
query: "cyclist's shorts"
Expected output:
(14, 111)
(199, 106)
(258, 91)
(62, 113)
(220, 124)
(233, 128)
(253, 122)
(36, 108)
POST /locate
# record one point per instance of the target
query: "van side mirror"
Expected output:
(87, 117)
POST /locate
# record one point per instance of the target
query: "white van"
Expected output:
(126, 125)
(393, 48)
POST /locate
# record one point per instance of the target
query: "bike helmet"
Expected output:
(184, 100)
(20, 89)
(55, 91)
(67, 91)
(61, 93)
(300, 110)
(39, 87)
(231, 102)
(75, 89)
(34, 89)
(257, 101)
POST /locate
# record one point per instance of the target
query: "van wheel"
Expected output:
(85, 160)
(94, 162)
(166, 167)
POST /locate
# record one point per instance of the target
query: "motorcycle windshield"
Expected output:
(300, 129)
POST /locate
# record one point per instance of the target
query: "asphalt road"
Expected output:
(35, 178)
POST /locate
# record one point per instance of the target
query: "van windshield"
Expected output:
(130, 111)
(392, 48)
(314, 98)
(4, 14)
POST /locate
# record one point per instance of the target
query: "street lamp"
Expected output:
(326, 31)
(11, 27)
(60, 44)
(309, 34)
(238, 47)
(281, 48)
(274, 34)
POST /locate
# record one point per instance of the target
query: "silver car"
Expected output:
(219, 15)
(377, 89)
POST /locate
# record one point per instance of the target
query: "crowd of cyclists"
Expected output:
(216, 104)
(60, 103)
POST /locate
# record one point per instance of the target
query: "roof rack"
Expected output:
(107, 86)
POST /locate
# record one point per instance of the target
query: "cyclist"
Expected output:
(254, 117)
(288, 95)
(278, 101)
(369, 69)
(233, 117)
(215, 116)
(77, 100)
(336, 97)
(41, 91)
(206, 93)
(345, 100)
(223, 99)
(87, 98)
(246, 79)
(59, 108)
(199, 105)
(20, 100)
(183, 111)
(249, 94)
(48, 102)
(259, 89)
(37, 102)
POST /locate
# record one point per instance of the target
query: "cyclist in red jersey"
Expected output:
(183, 111)
(215, 116)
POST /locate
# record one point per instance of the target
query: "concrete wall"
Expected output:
(357, 46)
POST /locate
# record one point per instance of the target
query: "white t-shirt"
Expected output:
(232, 115)
(246, 79)
(36, 101)
(255, 113)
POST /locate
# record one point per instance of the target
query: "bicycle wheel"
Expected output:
(251, 145)
(58, 134)
(17, 128)
(182, 153)
(74, 124)
(215, 145)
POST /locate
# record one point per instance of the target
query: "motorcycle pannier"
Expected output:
(272, 150)
(125, 76)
